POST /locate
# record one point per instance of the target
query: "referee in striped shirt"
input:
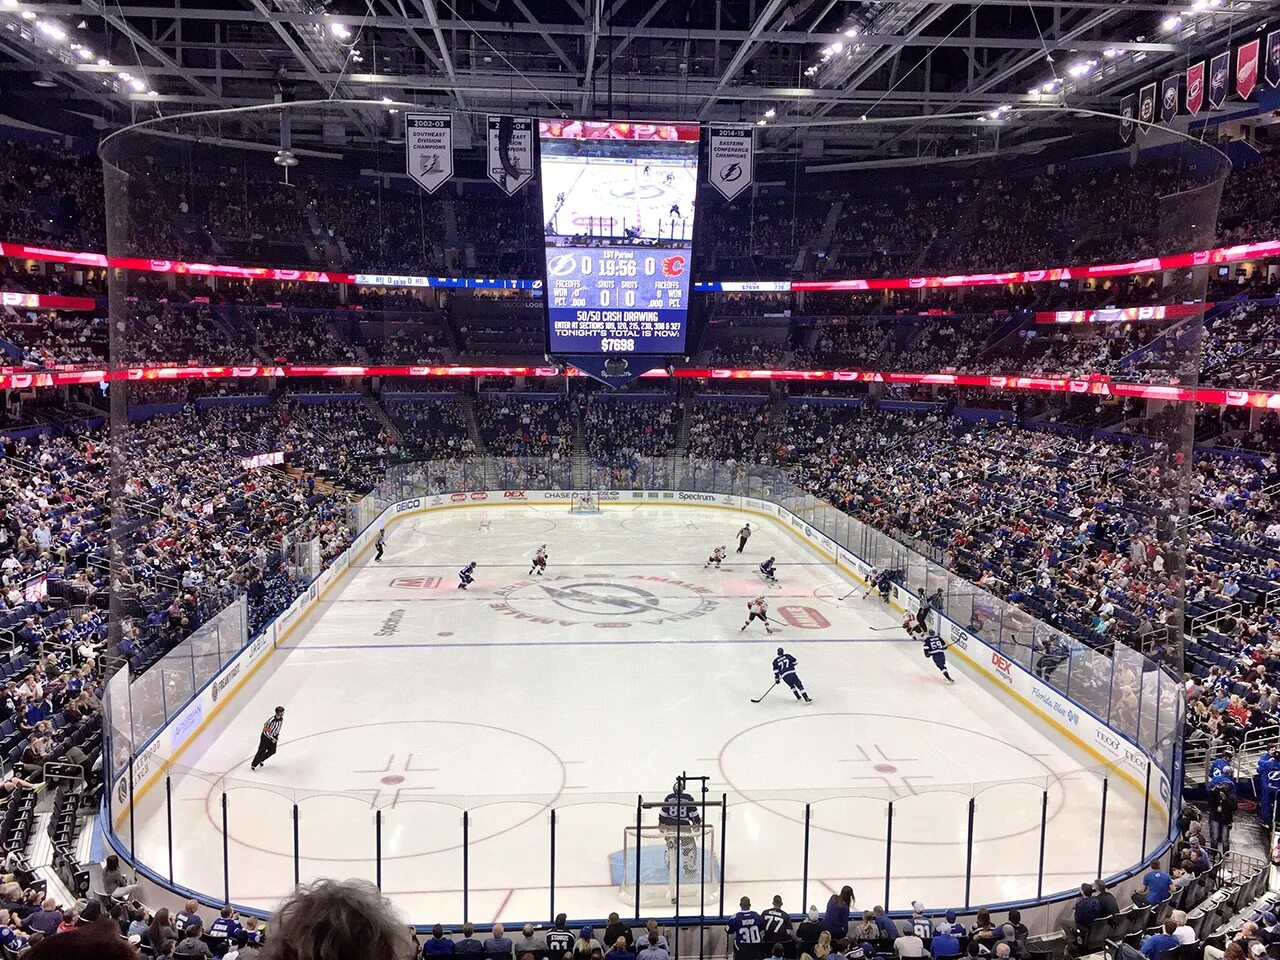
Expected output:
(270, 738)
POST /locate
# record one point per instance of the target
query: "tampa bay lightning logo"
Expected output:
(604, 600)
(563, 265)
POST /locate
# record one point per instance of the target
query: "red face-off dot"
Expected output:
(393, 780)
(445, 633)
(885, 768)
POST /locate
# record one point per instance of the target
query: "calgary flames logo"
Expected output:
(672, 266)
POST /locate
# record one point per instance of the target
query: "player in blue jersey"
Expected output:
(784, 669)
(680, 825)
(466, 575)
(746, 927)
(935, 649)
(768, 572)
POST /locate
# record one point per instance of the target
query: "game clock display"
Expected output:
(618, 300)
(618, 205)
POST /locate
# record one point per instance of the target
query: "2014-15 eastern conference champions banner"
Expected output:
(731, 153)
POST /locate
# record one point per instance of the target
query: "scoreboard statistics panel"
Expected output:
(618, 206)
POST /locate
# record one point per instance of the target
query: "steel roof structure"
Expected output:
(806, 71)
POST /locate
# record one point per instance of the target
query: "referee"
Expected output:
(270, 738)
(743, 535)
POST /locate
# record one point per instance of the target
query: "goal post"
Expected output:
(585, 501)
(660, 865)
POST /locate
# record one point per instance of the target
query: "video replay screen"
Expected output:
(618, 209)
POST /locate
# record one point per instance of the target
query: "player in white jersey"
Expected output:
(912, 624)
(784, 669)
(717, 555)
(934, 649)
(872, 576)
(539, 560)
(757, 609)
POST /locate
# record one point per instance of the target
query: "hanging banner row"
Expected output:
(428, 144)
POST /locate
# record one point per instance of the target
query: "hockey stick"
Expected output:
(878, 629)
(766, 693)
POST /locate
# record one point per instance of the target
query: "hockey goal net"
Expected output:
(585, 501)
(684, 865)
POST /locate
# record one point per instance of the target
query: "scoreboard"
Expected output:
(618, 205)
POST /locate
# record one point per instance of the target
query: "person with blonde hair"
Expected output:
(823, 948)
(337, 920)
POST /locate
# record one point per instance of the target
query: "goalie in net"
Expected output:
(671, 859)
(585, 502)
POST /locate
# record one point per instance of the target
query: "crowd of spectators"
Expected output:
(516, 426)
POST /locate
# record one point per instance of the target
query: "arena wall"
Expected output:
(1120, 754)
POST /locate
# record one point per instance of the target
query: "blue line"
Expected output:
(585, 643)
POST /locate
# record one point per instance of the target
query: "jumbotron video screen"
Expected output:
(618, 208)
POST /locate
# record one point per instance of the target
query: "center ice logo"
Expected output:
(604, 600)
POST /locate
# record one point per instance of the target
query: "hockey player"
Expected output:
(934, 649)
(767, 571)
(717, 555)
(539, 560)
(911, 624)
(675, 211)
(784, 669)
(466, 576)
(757, 609)
(884, 584)
(680, 825)
(872, 577)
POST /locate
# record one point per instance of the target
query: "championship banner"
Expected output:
(731, 152)
(1247, 68)
(1195, 88)
(1169, 98)
(1273, 59)
(1219, 74)
(510, 152)
(428, 149)
(1146, 107)
(1126, 118)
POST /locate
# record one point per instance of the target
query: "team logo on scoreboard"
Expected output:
(604, 600)
(673, 266)
(562, 266)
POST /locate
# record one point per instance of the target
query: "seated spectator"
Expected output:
(46, 920)
(87, 943)
(437, 945)
(114, 882)
(908, 944)
(337, 920)
(651, 948)
(191, 944)
(498, 944)
(469, 943)
(528, 941)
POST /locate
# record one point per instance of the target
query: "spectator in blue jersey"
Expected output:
(498, 944)
(437, 945)
(944, 944)
(747, 931)
(469, 943)
(836, 918)
(887, 929)
(226, 927)
(1156, 883)
(1153, 946)
(183, 918)
(11, 938)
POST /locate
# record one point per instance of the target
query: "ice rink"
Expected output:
(580, 690)
(659, 207)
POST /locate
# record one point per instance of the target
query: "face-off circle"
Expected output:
(605, 599)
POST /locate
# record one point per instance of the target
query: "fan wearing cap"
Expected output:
(809, 930)
(586, 944)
